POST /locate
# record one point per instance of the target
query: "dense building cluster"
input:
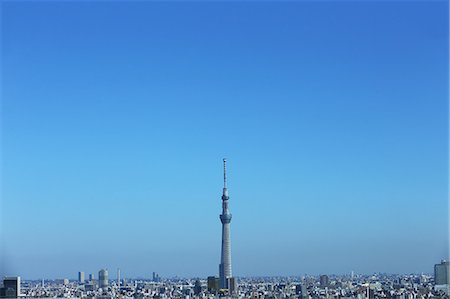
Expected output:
(383, 286)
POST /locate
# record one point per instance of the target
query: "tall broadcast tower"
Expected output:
(226, 280)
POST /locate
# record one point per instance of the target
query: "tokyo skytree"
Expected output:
(225, 218)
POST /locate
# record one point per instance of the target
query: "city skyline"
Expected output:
(116, 116)
(369, 287)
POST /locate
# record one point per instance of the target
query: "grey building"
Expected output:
(441, 273)
(81, 277)
(324, 280)
(197, 287)
(232, 285)
(301, 290)
(11, 287)
(156, 277)
(90, 286)
(103, 281)
(213, 284)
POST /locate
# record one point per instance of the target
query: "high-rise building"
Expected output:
(232, 285)
(441, 273)
(225, 218)
(156, 277)
(11, 287)
(324, 280)
(81, 277)
(103, 278)
(118, 278)
(301, 290)
(197, 287)
(91, 277)
(213, 284)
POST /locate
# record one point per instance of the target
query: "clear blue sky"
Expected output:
(116, 116)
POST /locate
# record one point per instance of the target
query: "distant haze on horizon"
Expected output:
(116, 117)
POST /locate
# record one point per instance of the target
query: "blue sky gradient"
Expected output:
(116, 116)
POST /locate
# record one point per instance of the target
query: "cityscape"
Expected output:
(223, 149)
(227, 286)
(324, 286)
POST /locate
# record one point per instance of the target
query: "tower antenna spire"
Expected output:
(224, 172)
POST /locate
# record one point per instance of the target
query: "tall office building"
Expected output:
(11, 287)
(103, 278)
(231, 285)
(197, 287)
(225, 218)
(156, 277)
(441, 273)
(213, 284)
(301, 291)
(81, 277)
(118, 278)
(91, 277)
(324, 280)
